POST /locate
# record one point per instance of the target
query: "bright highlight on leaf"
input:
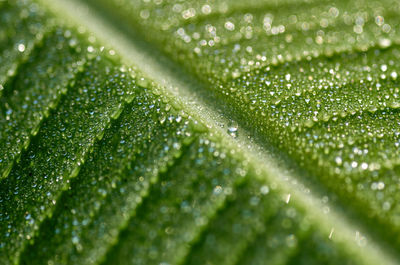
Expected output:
(281, 149)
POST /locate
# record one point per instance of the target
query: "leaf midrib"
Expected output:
(180, 88)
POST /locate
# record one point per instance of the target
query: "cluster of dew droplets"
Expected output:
(340, 114)
(233, 42)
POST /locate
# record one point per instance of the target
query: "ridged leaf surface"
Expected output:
(199, 132)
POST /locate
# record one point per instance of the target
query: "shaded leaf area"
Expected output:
(247, 233)
(22, 28)
(314, 250)
(237, 225)
(318, 80)
(112, 173)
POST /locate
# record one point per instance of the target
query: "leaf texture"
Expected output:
(100, 164)
(317, 80)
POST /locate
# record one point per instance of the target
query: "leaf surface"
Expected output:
(263, 132)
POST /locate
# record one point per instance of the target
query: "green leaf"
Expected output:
(198, 132)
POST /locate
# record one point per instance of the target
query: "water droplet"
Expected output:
(384, 43)
(21, 47)
(233, 129)
(264, 190)
(229, 26)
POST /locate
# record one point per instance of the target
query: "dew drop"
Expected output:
(384, 43)
(21, 47)
(233, 129)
